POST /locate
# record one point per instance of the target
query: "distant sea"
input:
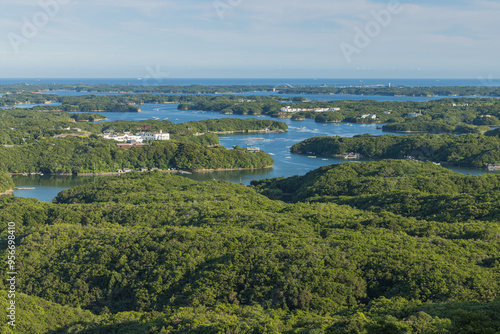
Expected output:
(272, 82)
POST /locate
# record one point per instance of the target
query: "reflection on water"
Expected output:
(46, 187)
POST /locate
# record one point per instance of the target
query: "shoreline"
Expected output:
(243, 131)
(8, 192)
(178, 171)
(337, 156)
(228, 169)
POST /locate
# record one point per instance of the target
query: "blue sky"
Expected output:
(250, 38)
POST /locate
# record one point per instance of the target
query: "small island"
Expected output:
(473, 150)
(88, 117)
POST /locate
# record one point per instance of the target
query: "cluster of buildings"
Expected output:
(128, 137)
(290, 109)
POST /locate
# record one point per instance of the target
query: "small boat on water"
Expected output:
(312, 156)
(324, 159)
(25, 188)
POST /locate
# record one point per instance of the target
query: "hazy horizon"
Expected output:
(249, 39)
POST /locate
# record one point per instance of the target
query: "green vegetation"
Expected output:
(443, 116)
(218, 89)
(435, 126)
(459, 115)
(20, 126)
(94, 155)
(88, 103)
(5, 182)
(206, 126)
(466, 150)
(35, 151)
(87, 117)
(150, 253)
(407, 188)
(400, 91)
(380, 247)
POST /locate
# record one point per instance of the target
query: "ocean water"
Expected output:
(273, 82)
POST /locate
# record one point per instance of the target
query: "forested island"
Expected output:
(24, 126)
(88, 117)
(466, 150)
(441, 116)
(457, 115)
(155, 253)
(94, 155)
(32, 143)
(286, 89)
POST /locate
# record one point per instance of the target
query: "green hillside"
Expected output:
(6, 182)
(151, 253)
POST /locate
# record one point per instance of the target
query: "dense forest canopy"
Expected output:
(408, 188)
(467, 150)
(393, 246)
(6, 182)
(96, 155)
(154, 252)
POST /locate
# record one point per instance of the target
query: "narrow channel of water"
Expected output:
(276, 144)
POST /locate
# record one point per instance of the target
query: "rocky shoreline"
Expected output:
(8, 192)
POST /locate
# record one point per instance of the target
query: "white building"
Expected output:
(154, 135)
(123, 137)
(138, 137)
(290, 109)
(372, 116)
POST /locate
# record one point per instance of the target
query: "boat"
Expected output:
(324, 159)
(311, 156)
(25, 188)
(288, 157)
